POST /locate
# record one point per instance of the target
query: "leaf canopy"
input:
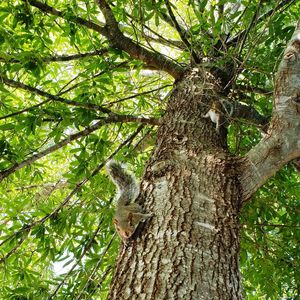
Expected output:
(71, 99)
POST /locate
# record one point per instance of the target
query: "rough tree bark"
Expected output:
(190, 248)
(282, 142)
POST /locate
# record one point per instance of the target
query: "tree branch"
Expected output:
(160, 39)
(253, 89)
(75, 56)
(24, 233)
(113, 117)
(52, 11)
(101, 280)
(112, 32)
(166, 18)
(64, 142)
(59, 58)
(73, 137)
(238, 110)
(296, 164)
(120, 41)
(25, 87)
(253, 22)
(243, 111)
(281, 144)
(270, 225)
(181, 33)
(63, 90)
(24, 110)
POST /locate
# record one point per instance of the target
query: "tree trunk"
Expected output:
(190, 248)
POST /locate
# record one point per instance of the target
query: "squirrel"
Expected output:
(218, 111)
(214, 114)
(128, 214)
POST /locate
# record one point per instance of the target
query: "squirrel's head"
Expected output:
(216, 106)
(125, 228)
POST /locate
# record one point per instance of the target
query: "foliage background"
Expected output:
(56, 235)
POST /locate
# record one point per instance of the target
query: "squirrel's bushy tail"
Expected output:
(124, 180)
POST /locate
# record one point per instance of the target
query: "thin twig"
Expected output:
(234, 40)
(86, 248)
(107, 271)
(96, 267)
(25, 110)
(137, 95)
(271, 225)
(59, 58)
(63, 91)
(181, 33)
(253, 22)
(13, 250)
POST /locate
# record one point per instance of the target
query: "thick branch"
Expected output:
(112, 32)
(120, 41)
(282, 143)
(52, 11)
(264, 160)
(237, 110)
(243, 111)
(129, 118)
(155, 60)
